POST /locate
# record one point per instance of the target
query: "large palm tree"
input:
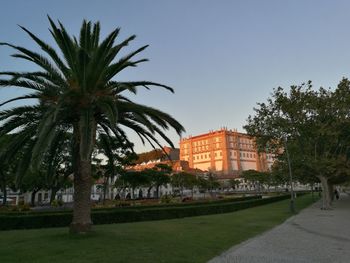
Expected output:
(77, 91)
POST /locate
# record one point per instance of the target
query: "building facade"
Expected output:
(224, 152)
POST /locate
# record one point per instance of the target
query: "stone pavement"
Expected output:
(313, 235)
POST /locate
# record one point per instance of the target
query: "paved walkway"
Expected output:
(313, 235)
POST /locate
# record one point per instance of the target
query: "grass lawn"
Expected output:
(193, 239)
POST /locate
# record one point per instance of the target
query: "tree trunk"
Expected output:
(82, 181)
(331, 191)
(149, 192)
(105, 185)
(53, 193)
(32, 198)
(326, 201)
(157, 191)
(4, 190)
(82, 194)
(132, 193)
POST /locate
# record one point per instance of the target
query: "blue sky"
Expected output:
(221, 57)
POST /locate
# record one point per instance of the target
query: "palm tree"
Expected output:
(77, 91)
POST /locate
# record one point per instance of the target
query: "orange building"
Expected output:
(224, 152)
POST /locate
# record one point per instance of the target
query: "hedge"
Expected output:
(218, 201)
(227, 200)
(46, 220)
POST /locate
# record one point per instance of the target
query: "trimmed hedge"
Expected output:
(227, 200)
(194, 203)
(42, 220)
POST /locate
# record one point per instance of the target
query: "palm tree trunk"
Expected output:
(82, 194)
(82, 184)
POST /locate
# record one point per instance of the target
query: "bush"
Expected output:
(61, 219)
(186, 199)
(21, 208)
(57, 203)
(166, 199)
(122, 204)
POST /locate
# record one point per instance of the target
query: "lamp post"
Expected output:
(292, 206)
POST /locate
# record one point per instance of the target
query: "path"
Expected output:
(313, 235)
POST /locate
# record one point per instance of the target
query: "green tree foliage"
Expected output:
(260, 179)
(7, 175)
(233, 183)
(314, 125)
(76, 90)
(212, 182)
(182, 181)
(118, 154)
(132, 180)
(158, 176)
(33, 182)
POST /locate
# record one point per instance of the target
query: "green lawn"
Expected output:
(194, 239)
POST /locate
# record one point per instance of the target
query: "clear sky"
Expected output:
(221, 57)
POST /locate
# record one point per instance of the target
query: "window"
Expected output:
(215, 154)
(220, 153)
(234, 153)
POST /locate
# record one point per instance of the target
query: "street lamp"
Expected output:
(292, 206)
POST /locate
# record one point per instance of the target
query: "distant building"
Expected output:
(173, 153)
(171, 158)
(223, 152)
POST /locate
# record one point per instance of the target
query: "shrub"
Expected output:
(132, 214)
(122, 204)
(21, 207)
(166, 199)
(57, 203)
(186, 199)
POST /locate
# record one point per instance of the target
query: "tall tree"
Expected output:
(132, 180)
(313, 125)
(160, 176)
(118, 154)
(78, 91)
(255, 177)
(7, 176)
